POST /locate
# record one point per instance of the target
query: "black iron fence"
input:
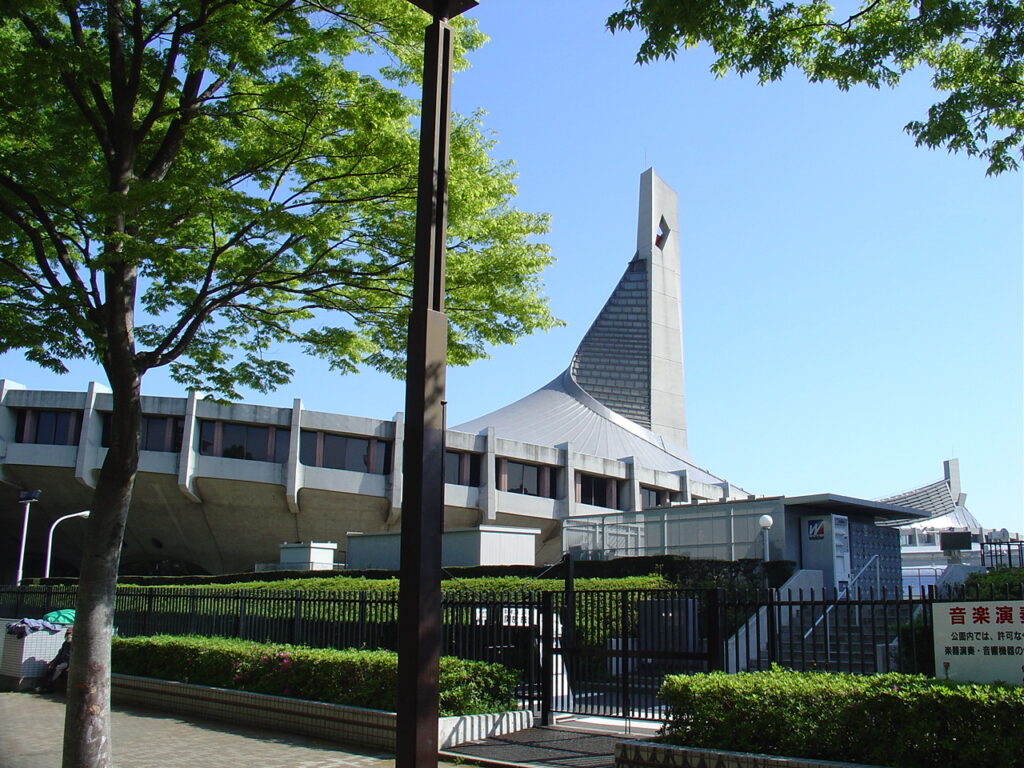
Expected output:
(585, 652)
(1002, 554)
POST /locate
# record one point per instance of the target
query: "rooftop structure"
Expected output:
(944, 507)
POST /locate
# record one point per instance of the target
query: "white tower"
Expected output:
(631, 358)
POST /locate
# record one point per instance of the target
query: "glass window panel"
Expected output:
(357, 454)
(62, 429)
(383, 466)
(594, 490)
(104, 429)
(153, 430)
(256, 447)
(531, 480)
(515, 476)
(307, 448)
(334, 451)
(523, 478)
(648, 498)
(207, 432)
(233, 441)
(46, 422)
(451, 467)
(281, 440)
(179, 435)
(474, 469)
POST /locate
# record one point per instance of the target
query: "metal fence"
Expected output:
(584, 652)
(1002, 554)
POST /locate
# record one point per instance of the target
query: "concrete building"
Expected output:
(943, 504)
(220, 487)
(842, 538)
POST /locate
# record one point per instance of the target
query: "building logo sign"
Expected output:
(815, 529)
(982, 642)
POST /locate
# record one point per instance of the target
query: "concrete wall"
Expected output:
(204, 513)
(486, 545)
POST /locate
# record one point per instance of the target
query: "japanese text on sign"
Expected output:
(979, 641)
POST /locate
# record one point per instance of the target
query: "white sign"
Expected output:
(981, 642)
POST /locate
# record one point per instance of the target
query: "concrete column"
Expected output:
(569, 467)
(684, 484)
(633, 500)
(293, 470)
(394, 483)
(189, 456)
(90, 437)
(489, 479)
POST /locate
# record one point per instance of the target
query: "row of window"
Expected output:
(253, 442)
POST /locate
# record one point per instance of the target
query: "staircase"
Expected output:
(844, 637)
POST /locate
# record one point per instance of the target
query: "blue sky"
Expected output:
(853, 307)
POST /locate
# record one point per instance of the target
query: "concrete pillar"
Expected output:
(189, 456)
(90, 437)
(293, 469)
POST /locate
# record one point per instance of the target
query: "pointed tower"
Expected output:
(631, 358)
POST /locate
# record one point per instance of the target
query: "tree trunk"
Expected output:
(87, 717)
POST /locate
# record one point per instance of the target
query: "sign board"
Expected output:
(949, 540)
(981, 642)
(815, 529)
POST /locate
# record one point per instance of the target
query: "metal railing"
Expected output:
(1002, 554)
(586, 652)
(844, 592)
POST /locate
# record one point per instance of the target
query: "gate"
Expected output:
(606, 653)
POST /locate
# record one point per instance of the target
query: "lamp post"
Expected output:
(766, 522)
(419, 597)
(27, 498)
(49, 540)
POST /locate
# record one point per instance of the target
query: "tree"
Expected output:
(974, 49)
(192, 183)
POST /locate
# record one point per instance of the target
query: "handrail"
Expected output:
(844, 592)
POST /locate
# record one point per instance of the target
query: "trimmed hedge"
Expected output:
(904, 721)
(1004, 581)
(677, 570)
(350, 677)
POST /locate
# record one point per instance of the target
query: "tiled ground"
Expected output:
(31, 730)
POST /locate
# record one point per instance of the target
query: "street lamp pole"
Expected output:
(26, 498)
(419, 599)
(49, 539)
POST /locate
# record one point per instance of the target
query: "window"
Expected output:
(528, 479)
(461, 468)
(162, 433)
(649, 498)
(243, 441)
(159, 433)
(333, 451)
(48, 427)
(597, 491)
(658, 497)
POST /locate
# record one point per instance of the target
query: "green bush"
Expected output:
(1003, 581)
(904, 721)
(351, 677)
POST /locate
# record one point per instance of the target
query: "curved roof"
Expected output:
(562, 412)
(942, 501)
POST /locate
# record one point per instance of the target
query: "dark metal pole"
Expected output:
(419, 604)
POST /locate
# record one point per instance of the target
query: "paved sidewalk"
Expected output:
(31, 729)
(32, 726)
(575, 743)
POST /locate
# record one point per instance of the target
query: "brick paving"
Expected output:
(31, 729)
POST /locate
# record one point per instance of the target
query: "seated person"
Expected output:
(57, 666)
